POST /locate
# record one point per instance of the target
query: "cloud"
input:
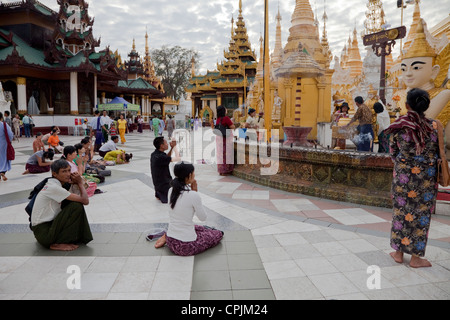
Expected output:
(205, 25)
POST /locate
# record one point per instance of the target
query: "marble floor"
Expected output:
(277, 245)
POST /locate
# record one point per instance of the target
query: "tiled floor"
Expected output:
(276, 245)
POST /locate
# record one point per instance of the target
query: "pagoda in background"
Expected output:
(228, 85)
(73, 34)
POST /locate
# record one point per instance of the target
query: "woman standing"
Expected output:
(183, 237)
(122, 123)
(5, 134)
(16, 126)
(414, 149)
(140, 122)
(224, 144)
(170, 126)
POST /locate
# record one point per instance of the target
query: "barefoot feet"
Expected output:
(397, 256)
(161, 242)
(63, 247)
(417, 262)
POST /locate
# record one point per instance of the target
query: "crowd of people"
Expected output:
(58, 219)
(412, 141)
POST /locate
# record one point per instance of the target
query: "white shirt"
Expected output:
(93, 123)
(109, 146)
(181, 226)
(384, 121)
(48, 202)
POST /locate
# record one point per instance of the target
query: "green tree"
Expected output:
(173, 65)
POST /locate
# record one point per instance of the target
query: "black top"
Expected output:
(159, 166)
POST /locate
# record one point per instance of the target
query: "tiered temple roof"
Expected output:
(236, 71)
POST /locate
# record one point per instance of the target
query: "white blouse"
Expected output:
(181, 226)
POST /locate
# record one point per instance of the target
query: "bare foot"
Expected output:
(397, 256)
(4, 178)
(26, 172)
(63, 247)
(417, 262)
(161, 242)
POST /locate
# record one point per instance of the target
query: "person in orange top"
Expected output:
(123, 128)
(53, 142)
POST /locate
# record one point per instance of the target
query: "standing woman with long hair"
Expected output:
(224, 144)
(183, 237)
(5, 134)
(123, 128)
(414, 149)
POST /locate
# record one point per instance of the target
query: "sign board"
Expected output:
(384, 36)
(119, 107)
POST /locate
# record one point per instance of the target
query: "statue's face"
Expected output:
(419, 71)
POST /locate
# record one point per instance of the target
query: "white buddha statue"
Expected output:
(422, 67)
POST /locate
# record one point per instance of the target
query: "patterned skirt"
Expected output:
(414, 191)
(206, 238)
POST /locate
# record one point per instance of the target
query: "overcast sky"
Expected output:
(205, 25)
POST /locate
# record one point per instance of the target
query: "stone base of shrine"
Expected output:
(356, 177)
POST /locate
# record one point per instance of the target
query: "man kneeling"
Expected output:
(58, 219)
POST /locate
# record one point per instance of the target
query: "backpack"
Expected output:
(34, 193)
(219, 127)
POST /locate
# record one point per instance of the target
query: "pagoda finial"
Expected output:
(134, 44)
(146, 41)
(240, 6)
(278, 17)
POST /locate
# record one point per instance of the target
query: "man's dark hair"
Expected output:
(59, 164)
(7, 113)
(158, 142)
(359, 100)
(97, 112)
(114, 137)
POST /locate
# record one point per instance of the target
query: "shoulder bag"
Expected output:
(443, 169)
(10, 152)
(219, 127)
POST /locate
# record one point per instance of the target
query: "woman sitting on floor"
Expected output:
(37, 162)
(184, 238)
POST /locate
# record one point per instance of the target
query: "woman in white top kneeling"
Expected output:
(183, 237)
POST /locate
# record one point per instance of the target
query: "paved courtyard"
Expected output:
(277, 245)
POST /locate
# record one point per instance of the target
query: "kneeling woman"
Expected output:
(37, 164)
(184, 238)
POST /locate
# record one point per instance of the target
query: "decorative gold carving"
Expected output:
(21, 81)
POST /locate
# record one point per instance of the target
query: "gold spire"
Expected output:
(420, 47)
(134, 45)
(412, 29)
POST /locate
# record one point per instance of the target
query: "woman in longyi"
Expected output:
(414, 149)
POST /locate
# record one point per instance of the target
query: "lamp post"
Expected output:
(267, 102)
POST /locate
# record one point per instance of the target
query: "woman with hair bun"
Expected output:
(183, 237)
(414, 149)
